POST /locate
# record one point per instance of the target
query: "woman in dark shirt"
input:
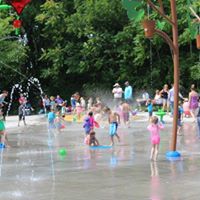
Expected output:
(164, 94)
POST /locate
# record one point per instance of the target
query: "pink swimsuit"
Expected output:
(155, 132)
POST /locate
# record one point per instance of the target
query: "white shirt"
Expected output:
(117, 92)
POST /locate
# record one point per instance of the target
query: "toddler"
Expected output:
(154, 129)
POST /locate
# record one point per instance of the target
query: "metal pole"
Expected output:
(176, 73)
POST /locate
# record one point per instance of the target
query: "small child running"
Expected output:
(154, 129)
(114, 120)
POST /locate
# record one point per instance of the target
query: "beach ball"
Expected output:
(62, 152)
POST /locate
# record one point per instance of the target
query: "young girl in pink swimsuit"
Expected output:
(154, 129)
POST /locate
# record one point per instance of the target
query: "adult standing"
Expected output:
(117, 92)
(171, 99)
(164, 94)
(198, 121)
(128, 93)
(59, 101)
(193, 101)
(46, 104)
(157, 98)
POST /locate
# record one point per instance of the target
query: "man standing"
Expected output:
(117, 91)
(128, 93)
(171, 99)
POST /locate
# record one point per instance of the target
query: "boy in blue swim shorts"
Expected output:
(114, 120)
(51, 118)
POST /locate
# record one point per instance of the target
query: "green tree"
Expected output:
(13, 52)
(92, 43)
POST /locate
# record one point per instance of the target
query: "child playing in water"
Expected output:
(114, 120)
(78, 110)
(87, 125)
(154, 129)
(51, 118)
(64, 109)
(3, 135)
(125, 107)
(22, 114)
(52, 102)
(180, 118)
(91, 117)
(58, 122)
(186, 108)
(149, 105)
(91, 140)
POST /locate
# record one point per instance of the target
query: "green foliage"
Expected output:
(13, 53)
(195, 71)
(192, 29)
(134, 9)
(92, 43)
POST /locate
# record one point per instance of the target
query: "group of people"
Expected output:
(187, 106)
(119, 94)
(164, 99)
(90, 123)
(95, 111)
(123, 99)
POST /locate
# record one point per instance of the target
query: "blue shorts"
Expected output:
(113, 128)
(179, 123)
(150, 113)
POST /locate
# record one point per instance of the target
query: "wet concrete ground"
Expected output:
(32, 168)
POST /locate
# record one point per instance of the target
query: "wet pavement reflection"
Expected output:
(33, 169)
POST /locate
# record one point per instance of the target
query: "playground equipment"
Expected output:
(18, 6)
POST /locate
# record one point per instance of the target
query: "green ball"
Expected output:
(62, 152)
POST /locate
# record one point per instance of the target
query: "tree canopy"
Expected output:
(80, 44)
